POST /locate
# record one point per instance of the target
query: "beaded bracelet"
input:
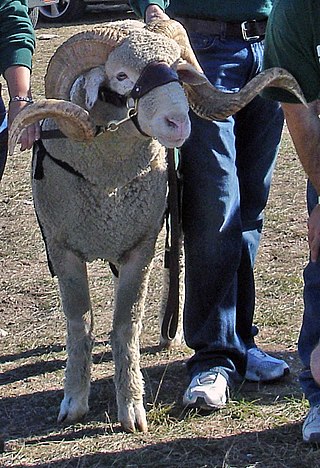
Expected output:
(21, 98)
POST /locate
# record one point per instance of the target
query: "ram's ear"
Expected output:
(189, 74)
(93, 79)
(85, 89)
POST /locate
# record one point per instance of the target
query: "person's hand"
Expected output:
(153, 12)
(314, 233)
(31, 133)
(315, 364)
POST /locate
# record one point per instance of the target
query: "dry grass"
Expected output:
(262, 425)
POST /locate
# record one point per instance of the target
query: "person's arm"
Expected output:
(18, 80)
(17, 45)
(304, 127)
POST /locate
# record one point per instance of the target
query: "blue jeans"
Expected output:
(3, 137)
(310, 328)
(227, 168)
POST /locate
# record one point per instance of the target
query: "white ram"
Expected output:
(102, 194)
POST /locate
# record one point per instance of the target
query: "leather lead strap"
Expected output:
(54, 133)
(171, 315)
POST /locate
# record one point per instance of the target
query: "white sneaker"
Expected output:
(207, 390)
(311, 426)
(261, 367)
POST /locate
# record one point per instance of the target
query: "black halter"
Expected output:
(153, 75)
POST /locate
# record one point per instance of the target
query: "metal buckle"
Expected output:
(244, 30)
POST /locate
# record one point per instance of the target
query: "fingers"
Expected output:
(29, 136)
(315, 364)
(31, 133)
(314, 233)
(154, 12)
(314, 246)
(157, 16)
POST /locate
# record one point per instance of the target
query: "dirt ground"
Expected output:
(261, 427)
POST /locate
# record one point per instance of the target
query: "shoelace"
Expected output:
(207, 379)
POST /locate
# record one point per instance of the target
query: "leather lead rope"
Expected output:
(171, 315)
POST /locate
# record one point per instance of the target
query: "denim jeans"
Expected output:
(227, 168)
(3, 137)
(310, 328)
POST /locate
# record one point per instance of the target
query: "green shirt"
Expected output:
(17, 38)
(293, 42)
(224, 10)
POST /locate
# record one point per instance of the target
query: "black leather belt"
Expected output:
(247, 30)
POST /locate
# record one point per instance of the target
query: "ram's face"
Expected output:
(163, 113)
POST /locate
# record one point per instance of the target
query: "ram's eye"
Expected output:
(121, 76)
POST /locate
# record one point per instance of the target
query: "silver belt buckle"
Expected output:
(244, 30)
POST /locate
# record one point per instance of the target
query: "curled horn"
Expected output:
(210, 103)
(207, 101)
(74, 121)
(79, 54)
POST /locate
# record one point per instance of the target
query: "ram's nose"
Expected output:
(179, 127)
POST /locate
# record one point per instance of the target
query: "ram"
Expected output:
(120, 96)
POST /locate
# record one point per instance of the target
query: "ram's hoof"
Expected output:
(134, 418)
(71, 410)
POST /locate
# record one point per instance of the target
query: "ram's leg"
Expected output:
(178, 339)
(73, 284)
(129, 308)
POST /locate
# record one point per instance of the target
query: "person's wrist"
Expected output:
(19, 99)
